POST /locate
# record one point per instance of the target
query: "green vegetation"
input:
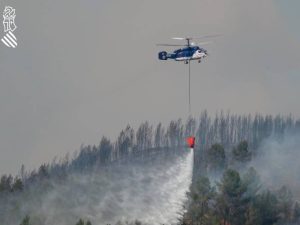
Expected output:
(223, 190)
(216, 157)
(238, 198)
(25, 221)
(241, 152)
(81, 222)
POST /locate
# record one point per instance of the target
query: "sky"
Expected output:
(84, 69)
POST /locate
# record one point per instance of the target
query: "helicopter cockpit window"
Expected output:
(180, 54)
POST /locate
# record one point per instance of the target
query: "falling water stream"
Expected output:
(153, 193)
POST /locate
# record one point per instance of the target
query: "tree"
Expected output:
(241, 152)
(251, 182)
(202, 193)
(43, 171)
(158, 136)
(25, 221)
(17, 185)
(266, 208)
(175, 133)
(231, 205)
(190, 126)
(22, 173)
(80, 222)
(253, 216)
(285, 204)
(296, 213)
(137, 222)
(105, 150)
(216, 157)
(144, 136)
(6, 183)
(203, 130)
(125, 142)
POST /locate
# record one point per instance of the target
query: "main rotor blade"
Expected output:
(179, 38)
(168, 45)
(192, 38)
(207, 36)
(201, 43)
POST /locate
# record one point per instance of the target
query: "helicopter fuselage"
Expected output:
(184, 54)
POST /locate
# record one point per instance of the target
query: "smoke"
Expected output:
(153, 193)
(278, 163)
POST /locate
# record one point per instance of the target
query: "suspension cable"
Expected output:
(190, 110)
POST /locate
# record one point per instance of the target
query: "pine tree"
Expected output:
(231, 205)
(285, 203)
(216, 157)
(25, 221)
(296, 212)
(241, 152)
(202, 193)
(251, 181)
(263, 210)
(105, 150)
(80, 222)
(17, 185)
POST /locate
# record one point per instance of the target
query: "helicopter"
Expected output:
(191, 51)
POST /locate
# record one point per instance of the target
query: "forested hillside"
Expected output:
(245, 172)
(226, 188)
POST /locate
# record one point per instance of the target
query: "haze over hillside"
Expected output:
(152, 192)
(84, 69)
(242, 162)
(93, 126)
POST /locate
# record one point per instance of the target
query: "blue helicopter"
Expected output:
(186, 54)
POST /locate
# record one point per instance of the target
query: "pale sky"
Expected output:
(87, 68)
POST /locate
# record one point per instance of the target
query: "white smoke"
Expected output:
(278, 163)
(153, 193)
